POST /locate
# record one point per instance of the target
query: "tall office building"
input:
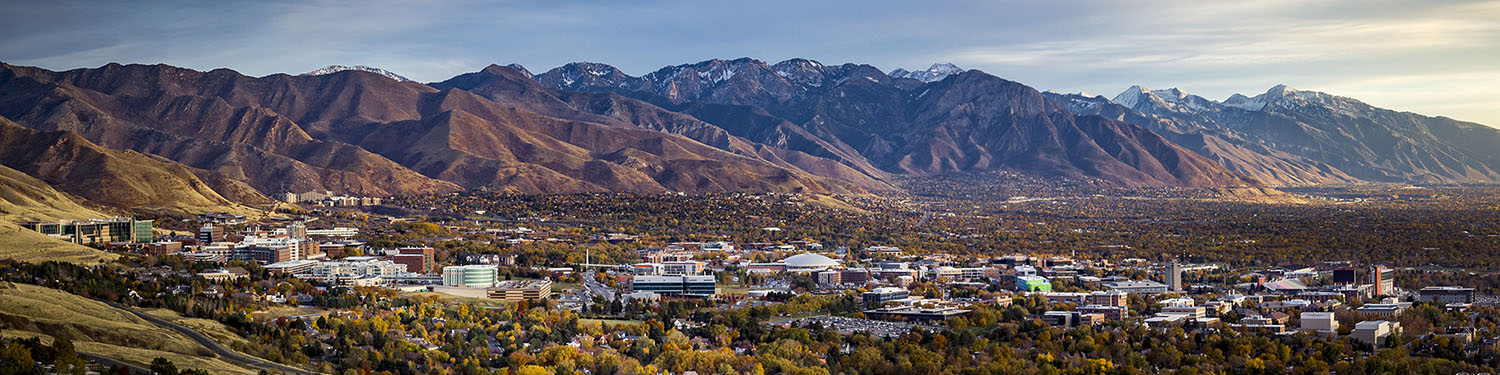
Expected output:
(296, 230)
(1384, 280)
(1174, 276)
(1345, 275)
(210, 234)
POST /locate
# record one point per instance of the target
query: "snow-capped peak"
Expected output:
(1244, 102)
(1172, 99)
(339, 68)
(1130, 97)
(933, 74)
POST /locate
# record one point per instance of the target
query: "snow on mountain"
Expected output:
(1173, 99)
(933, 74)
(1244, 102)
(521, 69)
(339, 68)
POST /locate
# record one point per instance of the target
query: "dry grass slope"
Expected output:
(24, 198)
(97, 328)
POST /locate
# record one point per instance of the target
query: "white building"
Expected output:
(1138, 287)
(1322, 322)
(362, 268)
(471, 276)
(1375, 332)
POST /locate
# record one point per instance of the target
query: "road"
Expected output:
(106, 361)
(223, 352)
(595, 288)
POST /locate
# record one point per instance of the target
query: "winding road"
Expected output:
(222, 351)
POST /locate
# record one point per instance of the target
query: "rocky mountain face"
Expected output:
(362, 133)
(1292, 137)
(880, 123)
(221, 137)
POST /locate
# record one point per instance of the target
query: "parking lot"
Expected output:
(847, 326)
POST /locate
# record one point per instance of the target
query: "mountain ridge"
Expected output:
(1349, 140)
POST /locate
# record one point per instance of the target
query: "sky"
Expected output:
(1430, 57)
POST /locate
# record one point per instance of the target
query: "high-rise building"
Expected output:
(296, 230)
(210, 234)
(1345, 275)
(1384, 280)
(1174, 276)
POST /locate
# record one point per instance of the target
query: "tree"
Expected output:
(162, 366)
(67, 360)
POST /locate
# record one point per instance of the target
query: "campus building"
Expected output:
(676, 285)
(521, 290)
(879, 296)
(470, 276)
(92, 231)
(1447, 294)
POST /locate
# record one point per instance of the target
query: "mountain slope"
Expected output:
(225, 122)
(861, 116)
(115, 178)
(1341, 136)
(24, 198)
(1251, 159)
(511, 88)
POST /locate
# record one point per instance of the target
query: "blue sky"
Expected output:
(1430, 57)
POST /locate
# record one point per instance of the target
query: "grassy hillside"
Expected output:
(212, 328)
(97, 328)
(24, 198)
(116, 178)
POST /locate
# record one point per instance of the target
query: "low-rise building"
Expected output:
(879, 296)
(1375, 332)
(291, 267)
(95, 231)
(1138, 287)
(1446, 294)
(1382, 310)
(1321, 322)
(471, 276)
(1033, 284)
(1189, 311)
(1109, 312)
(676, 285)
(916, 313)
(521, 290)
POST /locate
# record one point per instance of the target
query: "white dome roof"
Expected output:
(809, 260)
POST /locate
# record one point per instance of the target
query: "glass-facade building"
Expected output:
(676, 285)
(117, 229)
(471, 276)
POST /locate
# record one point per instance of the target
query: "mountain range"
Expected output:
(1293, 137)
(223, 138)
